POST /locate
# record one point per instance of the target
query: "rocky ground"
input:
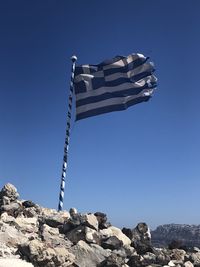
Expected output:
(34, 236)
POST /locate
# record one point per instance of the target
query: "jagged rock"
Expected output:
(40, 254)
(7, 218)
(162, 256)
(14, 262)
(102, 220)
(10, 236)
(7, 252)
(114, 231)
(26, 225)
(90, 220)
(141, 239)
(113, 261)
(127, 232)
(9, 191)
(188, 264)
(112, 243)
(31, 212)
(149, 258)
(92, 236)
(178, 255)
(11, 209)
(135, 261)
(29, 204)
(88, 256)
(195, 258)
(126, 251)
(171, 264)
(76, 234)
(52, 237)
(53, 218)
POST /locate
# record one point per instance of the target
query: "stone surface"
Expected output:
(41, 254)
(10, 192)
(88, 256)
(15, 263)
(112, 243)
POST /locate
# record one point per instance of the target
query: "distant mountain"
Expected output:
(189, 235)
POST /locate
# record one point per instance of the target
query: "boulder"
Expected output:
(112, 243)
(12, 208)
(188, 264)
(92, 236)
(14, 262)
(114, 231)
(52, 237)
(41, 254)
(10, 236)
(9, 191)
(88, 256)
(113, 261)
(195, 258)
(102, 220)
(141, 238)
(90, 220)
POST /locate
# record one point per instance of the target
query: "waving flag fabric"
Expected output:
(113, 85)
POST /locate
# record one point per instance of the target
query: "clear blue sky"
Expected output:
(141, 164)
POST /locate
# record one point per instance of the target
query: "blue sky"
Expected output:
(141, 164)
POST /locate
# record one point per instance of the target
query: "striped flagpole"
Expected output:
(67, 136)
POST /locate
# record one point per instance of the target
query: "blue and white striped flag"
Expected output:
(112, 85)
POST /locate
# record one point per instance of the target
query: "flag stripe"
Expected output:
(111, 108)
(106, 95)
(112, 85)
(109, 101)
(143, 83)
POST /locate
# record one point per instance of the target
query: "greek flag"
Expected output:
(112, 85)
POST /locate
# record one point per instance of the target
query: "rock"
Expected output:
(54, 218)
(7, 218)
(29, 204)
(76, 234)
(113, 261)
(112, 243)
(141, 239)
(92, 236)
(195, 258)
(90, 220)
(41, 254)
(135, 261)
(118, 233)
(52, 237)
(188, 264)
(9, 191)
(11, 209)
(14, 262)
(171, 264)
(10, 236)
(127, 232)
(162, 256)
(178, 255)
(26, 225)
(88, 256)
(7, 252)
(149, 258)
(102, 220)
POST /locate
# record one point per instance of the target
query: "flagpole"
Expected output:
(67, 136)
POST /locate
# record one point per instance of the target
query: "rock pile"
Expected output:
(34, 236)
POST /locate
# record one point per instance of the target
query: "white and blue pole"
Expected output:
(67, 136)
